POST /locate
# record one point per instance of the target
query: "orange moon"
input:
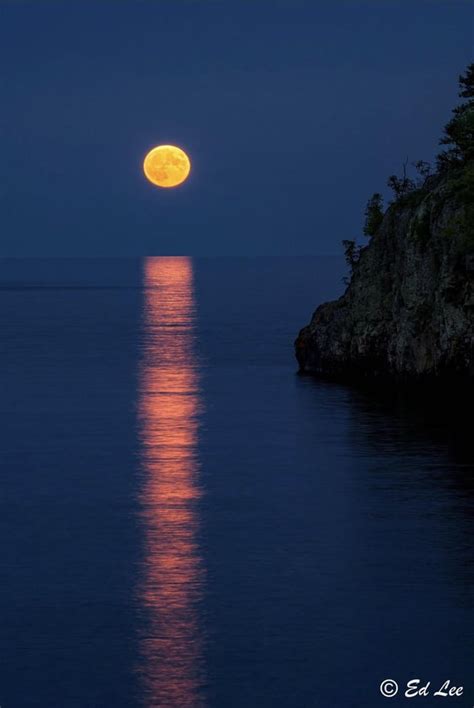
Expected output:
(166, 166)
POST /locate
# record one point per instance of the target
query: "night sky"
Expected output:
(293, 113)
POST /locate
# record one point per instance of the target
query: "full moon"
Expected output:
(166, 166)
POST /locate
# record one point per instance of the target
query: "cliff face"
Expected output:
(408, 311)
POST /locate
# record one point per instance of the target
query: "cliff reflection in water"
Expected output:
(172, 578)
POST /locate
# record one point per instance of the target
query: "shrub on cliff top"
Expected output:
(459, 131)
(373, 214)
(460, 187)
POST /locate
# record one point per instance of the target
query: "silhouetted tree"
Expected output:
(351, 254)
(373, 214)
(401, 186)
(423, 169)
(459, 131)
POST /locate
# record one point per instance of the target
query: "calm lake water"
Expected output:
(187, 522)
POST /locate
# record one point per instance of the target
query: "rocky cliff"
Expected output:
(408, 310)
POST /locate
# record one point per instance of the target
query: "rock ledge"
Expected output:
(408, 311)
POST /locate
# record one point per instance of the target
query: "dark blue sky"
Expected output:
(293, 113)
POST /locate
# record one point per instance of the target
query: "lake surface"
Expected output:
(187, 522)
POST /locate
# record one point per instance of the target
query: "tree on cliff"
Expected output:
(351, 254)
(423, 169)
(458, 159)
(373, 214)
(401, 186)
(459, 131)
